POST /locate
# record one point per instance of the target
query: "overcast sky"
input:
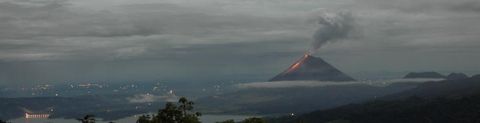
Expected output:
(223, 40)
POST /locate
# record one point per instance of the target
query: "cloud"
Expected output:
(62, 29)
(130, 52)
(416, 6)
(149, 98)
(28, 19)
(468, 6)
(98, 39)
(291, 84)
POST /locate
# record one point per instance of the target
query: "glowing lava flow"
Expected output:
(298, 63)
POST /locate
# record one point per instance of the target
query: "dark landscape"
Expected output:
(239, 61)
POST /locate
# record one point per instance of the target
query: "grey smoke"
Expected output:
(333, 27)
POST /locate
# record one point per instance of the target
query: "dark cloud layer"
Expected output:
(89, 40)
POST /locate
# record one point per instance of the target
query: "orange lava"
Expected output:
(297, 64)
(294, 66)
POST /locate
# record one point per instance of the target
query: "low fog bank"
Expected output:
(288, 84)
(149, 98)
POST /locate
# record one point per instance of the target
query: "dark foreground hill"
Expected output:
(411, 110)
(453, 101)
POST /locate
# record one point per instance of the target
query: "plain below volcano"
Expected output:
(311, 68)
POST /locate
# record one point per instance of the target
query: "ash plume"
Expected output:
(333, 27)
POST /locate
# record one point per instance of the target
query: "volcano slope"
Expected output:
(313, 69)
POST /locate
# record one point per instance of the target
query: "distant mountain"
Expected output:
(455, 76)
(312, 68)
(413, 75)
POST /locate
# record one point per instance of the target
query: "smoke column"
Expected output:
(333, 26)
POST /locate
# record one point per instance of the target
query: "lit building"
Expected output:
(28, 115)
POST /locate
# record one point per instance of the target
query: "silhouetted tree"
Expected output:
(170, 114)
(185, 105)
(227, 121)
(173, 114)
(254, 120)
(87, 119)
(186, 108)
(1, 121)
(339, 121)
(144, 119)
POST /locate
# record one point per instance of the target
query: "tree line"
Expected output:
(179, 112)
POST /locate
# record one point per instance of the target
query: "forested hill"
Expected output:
(411, 110)
(462, 106)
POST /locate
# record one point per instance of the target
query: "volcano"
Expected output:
(313, 69)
